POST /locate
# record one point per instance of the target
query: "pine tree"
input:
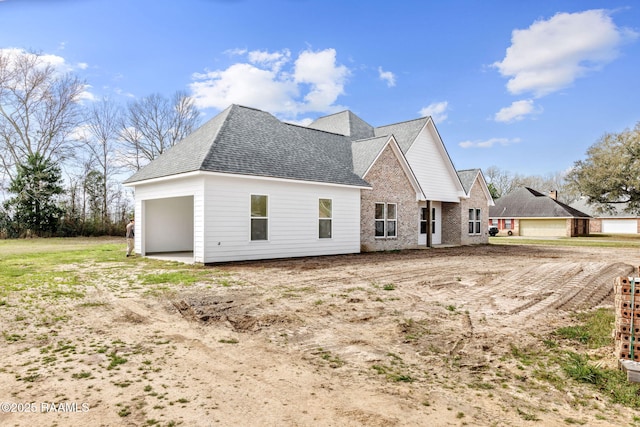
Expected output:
(37, 183)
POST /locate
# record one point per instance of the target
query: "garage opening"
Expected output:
(620, 226)
(168, 226)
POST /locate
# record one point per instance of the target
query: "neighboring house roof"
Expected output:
(528, 203)
(469, 177)
(592, 210)
(246, 141)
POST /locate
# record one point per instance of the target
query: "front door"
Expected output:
(434, 222)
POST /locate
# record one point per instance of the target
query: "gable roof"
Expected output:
(526, 202)
(246, 141)
(468, 177)
(365, 152)
(404, 132)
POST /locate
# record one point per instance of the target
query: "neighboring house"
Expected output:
(526, 212)
(248, 186)
(616, 222)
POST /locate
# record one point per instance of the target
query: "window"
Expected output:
(325, 216)
(423, 221)
(259, 217)
(386, 220)
(433, 220)
(507, 224)
(474, 221)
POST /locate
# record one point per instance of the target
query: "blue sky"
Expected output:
(524, 86)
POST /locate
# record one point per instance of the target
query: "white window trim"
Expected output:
(386, 220)
(476, 221)
(325, 219)
(251, 218)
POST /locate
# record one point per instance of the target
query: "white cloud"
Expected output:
(437, 111)
(551, 54)
(56, 61)
(387, 76)
(86, 94)
(517, 111)
(273, 82)
(489, 143)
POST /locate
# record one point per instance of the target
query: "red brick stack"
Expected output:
(627, 329)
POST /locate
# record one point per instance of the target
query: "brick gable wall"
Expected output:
(477, 200)
(390, 185)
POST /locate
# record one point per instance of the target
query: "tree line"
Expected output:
(62, 157)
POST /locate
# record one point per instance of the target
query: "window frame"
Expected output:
(385, 220)
(322, 219)
(256, 218)
(475, 221)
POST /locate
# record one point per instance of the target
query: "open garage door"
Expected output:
(620, 226)
(543, 227)
(168, 225)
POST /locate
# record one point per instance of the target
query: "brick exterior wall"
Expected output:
(451, 224)
(390, 185)
(477, 200)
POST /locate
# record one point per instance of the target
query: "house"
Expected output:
(247, 186)
(527, 212)
(616, 222)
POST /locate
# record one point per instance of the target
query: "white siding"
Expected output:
(293, 219)
(166, 190)
(431, 166)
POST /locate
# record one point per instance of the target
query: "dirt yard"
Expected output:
(417, 338)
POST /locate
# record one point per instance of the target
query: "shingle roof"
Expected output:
(365, 151)
(404, 132)
(247, 141)
(344, 123)
(528, 203)
(467, 178)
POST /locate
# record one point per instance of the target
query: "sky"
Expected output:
(525, 86)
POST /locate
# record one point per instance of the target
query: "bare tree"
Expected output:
(502, 181)
(102, 129)
(154, 124)
(38, 109)
(505, 182)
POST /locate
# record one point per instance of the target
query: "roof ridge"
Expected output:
(403, 122)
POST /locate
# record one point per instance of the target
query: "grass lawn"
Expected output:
(594, 240)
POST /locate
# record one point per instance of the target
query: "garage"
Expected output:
(543, 227)
(620, 226)
(167, 225)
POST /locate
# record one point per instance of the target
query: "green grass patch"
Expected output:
(178, 277)
(564, 356)
(594, 240)
(594, 330)
(115, 360)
